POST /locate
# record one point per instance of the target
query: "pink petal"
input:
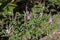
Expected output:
(50, 20)
(8, 31)
(28, 17)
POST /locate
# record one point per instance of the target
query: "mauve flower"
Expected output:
(27, 13)
(50, 20)
(28, 17)
(8, 31)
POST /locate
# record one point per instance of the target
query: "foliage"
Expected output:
(14, 23)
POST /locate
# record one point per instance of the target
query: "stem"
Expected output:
(26, 17)
(43, 7)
